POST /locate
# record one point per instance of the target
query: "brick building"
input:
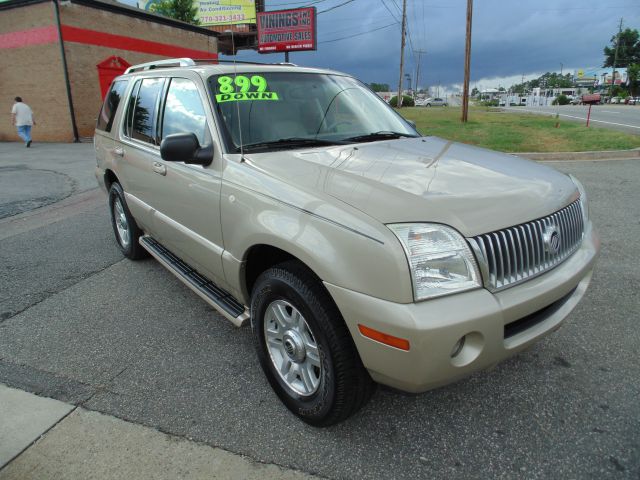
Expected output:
(53, 54)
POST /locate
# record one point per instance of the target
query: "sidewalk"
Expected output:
(44, 438)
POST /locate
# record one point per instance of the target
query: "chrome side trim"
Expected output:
(133, 199)
(208, 244)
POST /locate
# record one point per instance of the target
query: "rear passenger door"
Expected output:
(140, 149)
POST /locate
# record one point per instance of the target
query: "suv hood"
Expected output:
(427, 179)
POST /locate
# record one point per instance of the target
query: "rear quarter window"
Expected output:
(110, 105)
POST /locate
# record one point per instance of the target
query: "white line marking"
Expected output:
(581, 118)
(608, 111)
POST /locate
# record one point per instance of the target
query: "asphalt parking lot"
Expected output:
(83, 325)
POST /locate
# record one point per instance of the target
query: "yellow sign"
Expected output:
(218, 12)
(226, 12)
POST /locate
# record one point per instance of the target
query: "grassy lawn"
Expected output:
(517, 132)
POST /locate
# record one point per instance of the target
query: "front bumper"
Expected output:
(528, 311)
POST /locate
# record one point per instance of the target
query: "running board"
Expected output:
(220, 299)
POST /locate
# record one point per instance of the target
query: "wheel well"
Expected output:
(261, 258)
(110, 178)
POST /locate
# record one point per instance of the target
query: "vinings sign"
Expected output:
(287, 30)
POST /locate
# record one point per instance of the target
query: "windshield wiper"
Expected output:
(292, 142)
(381, 135)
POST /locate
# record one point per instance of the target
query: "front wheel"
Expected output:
(305, 348)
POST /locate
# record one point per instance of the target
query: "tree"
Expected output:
(628, 52)
(379, 87)
(633, 73)
(183, 10)
(475, 92)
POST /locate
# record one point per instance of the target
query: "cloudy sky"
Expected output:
(510, 37)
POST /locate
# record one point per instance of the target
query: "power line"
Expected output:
(359, 34)
(389, 10)
(336, 6)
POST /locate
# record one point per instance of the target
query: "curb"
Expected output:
(603, 155)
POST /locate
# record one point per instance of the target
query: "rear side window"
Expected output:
(110, 105)
(144, 121)
(183, 110)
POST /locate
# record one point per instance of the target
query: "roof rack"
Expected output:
(171, 62)
(192, 62)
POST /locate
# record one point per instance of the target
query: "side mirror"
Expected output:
(184, 147)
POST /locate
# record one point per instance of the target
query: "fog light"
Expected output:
(457, 348)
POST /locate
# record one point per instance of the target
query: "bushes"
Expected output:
(407, 101)
(561, 100)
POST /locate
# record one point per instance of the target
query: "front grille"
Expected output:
(509, 256)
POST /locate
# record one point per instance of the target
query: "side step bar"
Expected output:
(220, 299)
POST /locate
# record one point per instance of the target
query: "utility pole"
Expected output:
(615, 60)
(467, 64)
(404, 28)
(419, 52)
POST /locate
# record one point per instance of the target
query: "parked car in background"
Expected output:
(434, 102)
(615, 100)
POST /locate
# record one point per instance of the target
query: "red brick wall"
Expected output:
(82, 59)
(36, 73)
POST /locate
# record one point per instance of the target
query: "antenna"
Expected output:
(235, 75)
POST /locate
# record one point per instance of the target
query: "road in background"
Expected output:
(83, 325)
(625, 118)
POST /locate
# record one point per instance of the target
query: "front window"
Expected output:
(277, 110)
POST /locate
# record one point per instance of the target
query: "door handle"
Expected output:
(159, 168)
(119, 151)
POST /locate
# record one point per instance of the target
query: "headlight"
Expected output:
(440, 260)
(583, 199)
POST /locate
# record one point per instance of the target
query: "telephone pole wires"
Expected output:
(404, 29)
(467, 64)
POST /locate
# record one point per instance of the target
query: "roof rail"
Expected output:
(171, 62)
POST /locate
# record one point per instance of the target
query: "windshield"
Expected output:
(276, 110)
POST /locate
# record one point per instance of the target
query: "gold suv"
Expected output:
(361, 251)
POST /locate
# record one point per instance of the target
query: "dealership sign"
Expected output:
(287, 30)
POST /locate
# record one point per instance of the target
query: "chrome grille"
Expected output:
(517, 253)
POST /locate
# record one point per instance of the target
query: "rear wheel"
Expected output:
(305, 348)
(125, 227)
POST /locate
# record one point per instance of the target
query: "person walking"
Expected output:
(22, 118)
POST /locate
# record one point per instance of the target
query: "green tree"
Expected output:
(475, 92)
(628, 52)
(183, 10)
(379, 87)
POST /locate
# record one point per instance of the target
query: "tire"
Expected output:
(428, 105)
(323, 380)
(124, 226)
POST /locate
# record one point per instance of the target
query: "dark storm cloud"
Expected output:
(509, 37)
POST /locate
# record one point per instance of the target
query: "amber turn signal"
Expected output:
(385, 338)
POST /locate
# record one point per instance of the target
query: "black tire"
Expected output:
(344, 384)
(131, 248)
